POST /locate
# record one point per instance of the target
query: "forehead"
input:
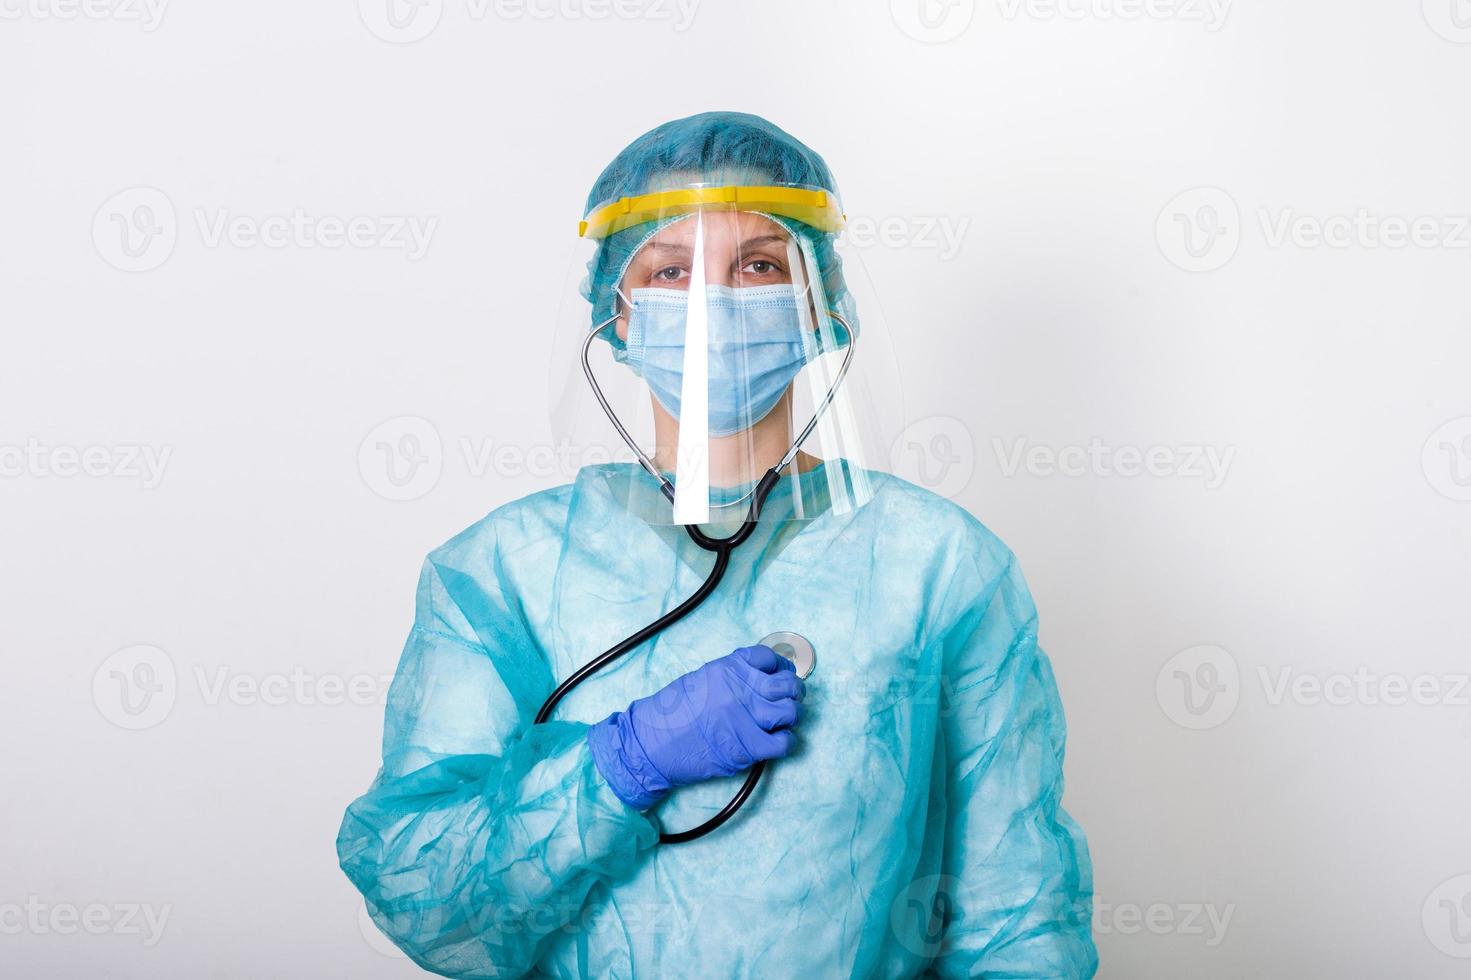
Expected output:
(729, 227)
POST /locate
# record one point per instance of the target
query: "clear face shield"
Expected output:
(718, 341)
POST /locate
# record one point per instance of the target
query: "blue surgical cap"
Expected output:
(719, 149)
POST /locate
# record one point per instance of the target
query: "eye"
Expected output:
(671, 273)
(761, 267)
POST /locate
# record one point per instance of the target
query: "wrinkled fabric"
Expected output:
(915, 829)
(718, 149)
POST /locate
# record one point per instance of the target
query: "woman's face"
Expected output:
(741, 249)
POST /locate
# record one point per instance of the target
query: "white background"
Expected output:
(1085, 299)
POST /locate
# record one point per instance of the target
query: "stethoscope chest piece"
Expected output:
(796, 648)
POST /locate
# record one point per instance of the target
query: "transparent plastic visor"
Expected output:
(721, 356)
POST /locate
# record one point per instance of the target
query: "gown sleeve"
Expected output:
(1017, 874)
(482, 836)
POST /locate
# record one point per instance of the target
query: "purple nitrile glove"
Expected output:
(716, 720)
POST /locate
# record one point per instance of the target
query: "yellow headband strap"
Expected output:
(816, 208)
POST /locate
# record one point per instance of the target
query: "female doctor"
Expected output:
(908, 821)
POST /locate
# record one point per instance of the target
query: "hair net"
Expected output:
(720, 149)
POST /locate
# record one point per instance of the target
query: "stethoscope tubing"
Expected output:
(722, 547)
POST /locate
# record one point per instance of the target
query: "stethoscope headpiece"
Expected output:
(796, 648)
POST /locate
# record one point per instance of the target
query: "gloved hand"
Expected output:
(714, 721)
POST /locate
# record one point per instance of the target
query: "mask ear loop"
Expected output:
(820, 411)
(665, 487)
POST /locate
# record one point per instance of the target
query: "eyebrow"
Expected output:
(748, 245)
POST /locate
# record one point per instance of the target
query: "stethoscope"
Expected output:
(795, 647)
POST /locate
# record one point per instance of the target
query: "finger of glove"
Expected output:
(775, 687)
(772, 745)
(771, 715)
(731, 739)
(764, 659)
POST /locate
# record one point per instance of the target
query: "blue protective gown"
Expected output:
(916, 830)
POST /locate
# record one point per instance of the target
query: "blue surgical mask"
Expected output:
(756, 348)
